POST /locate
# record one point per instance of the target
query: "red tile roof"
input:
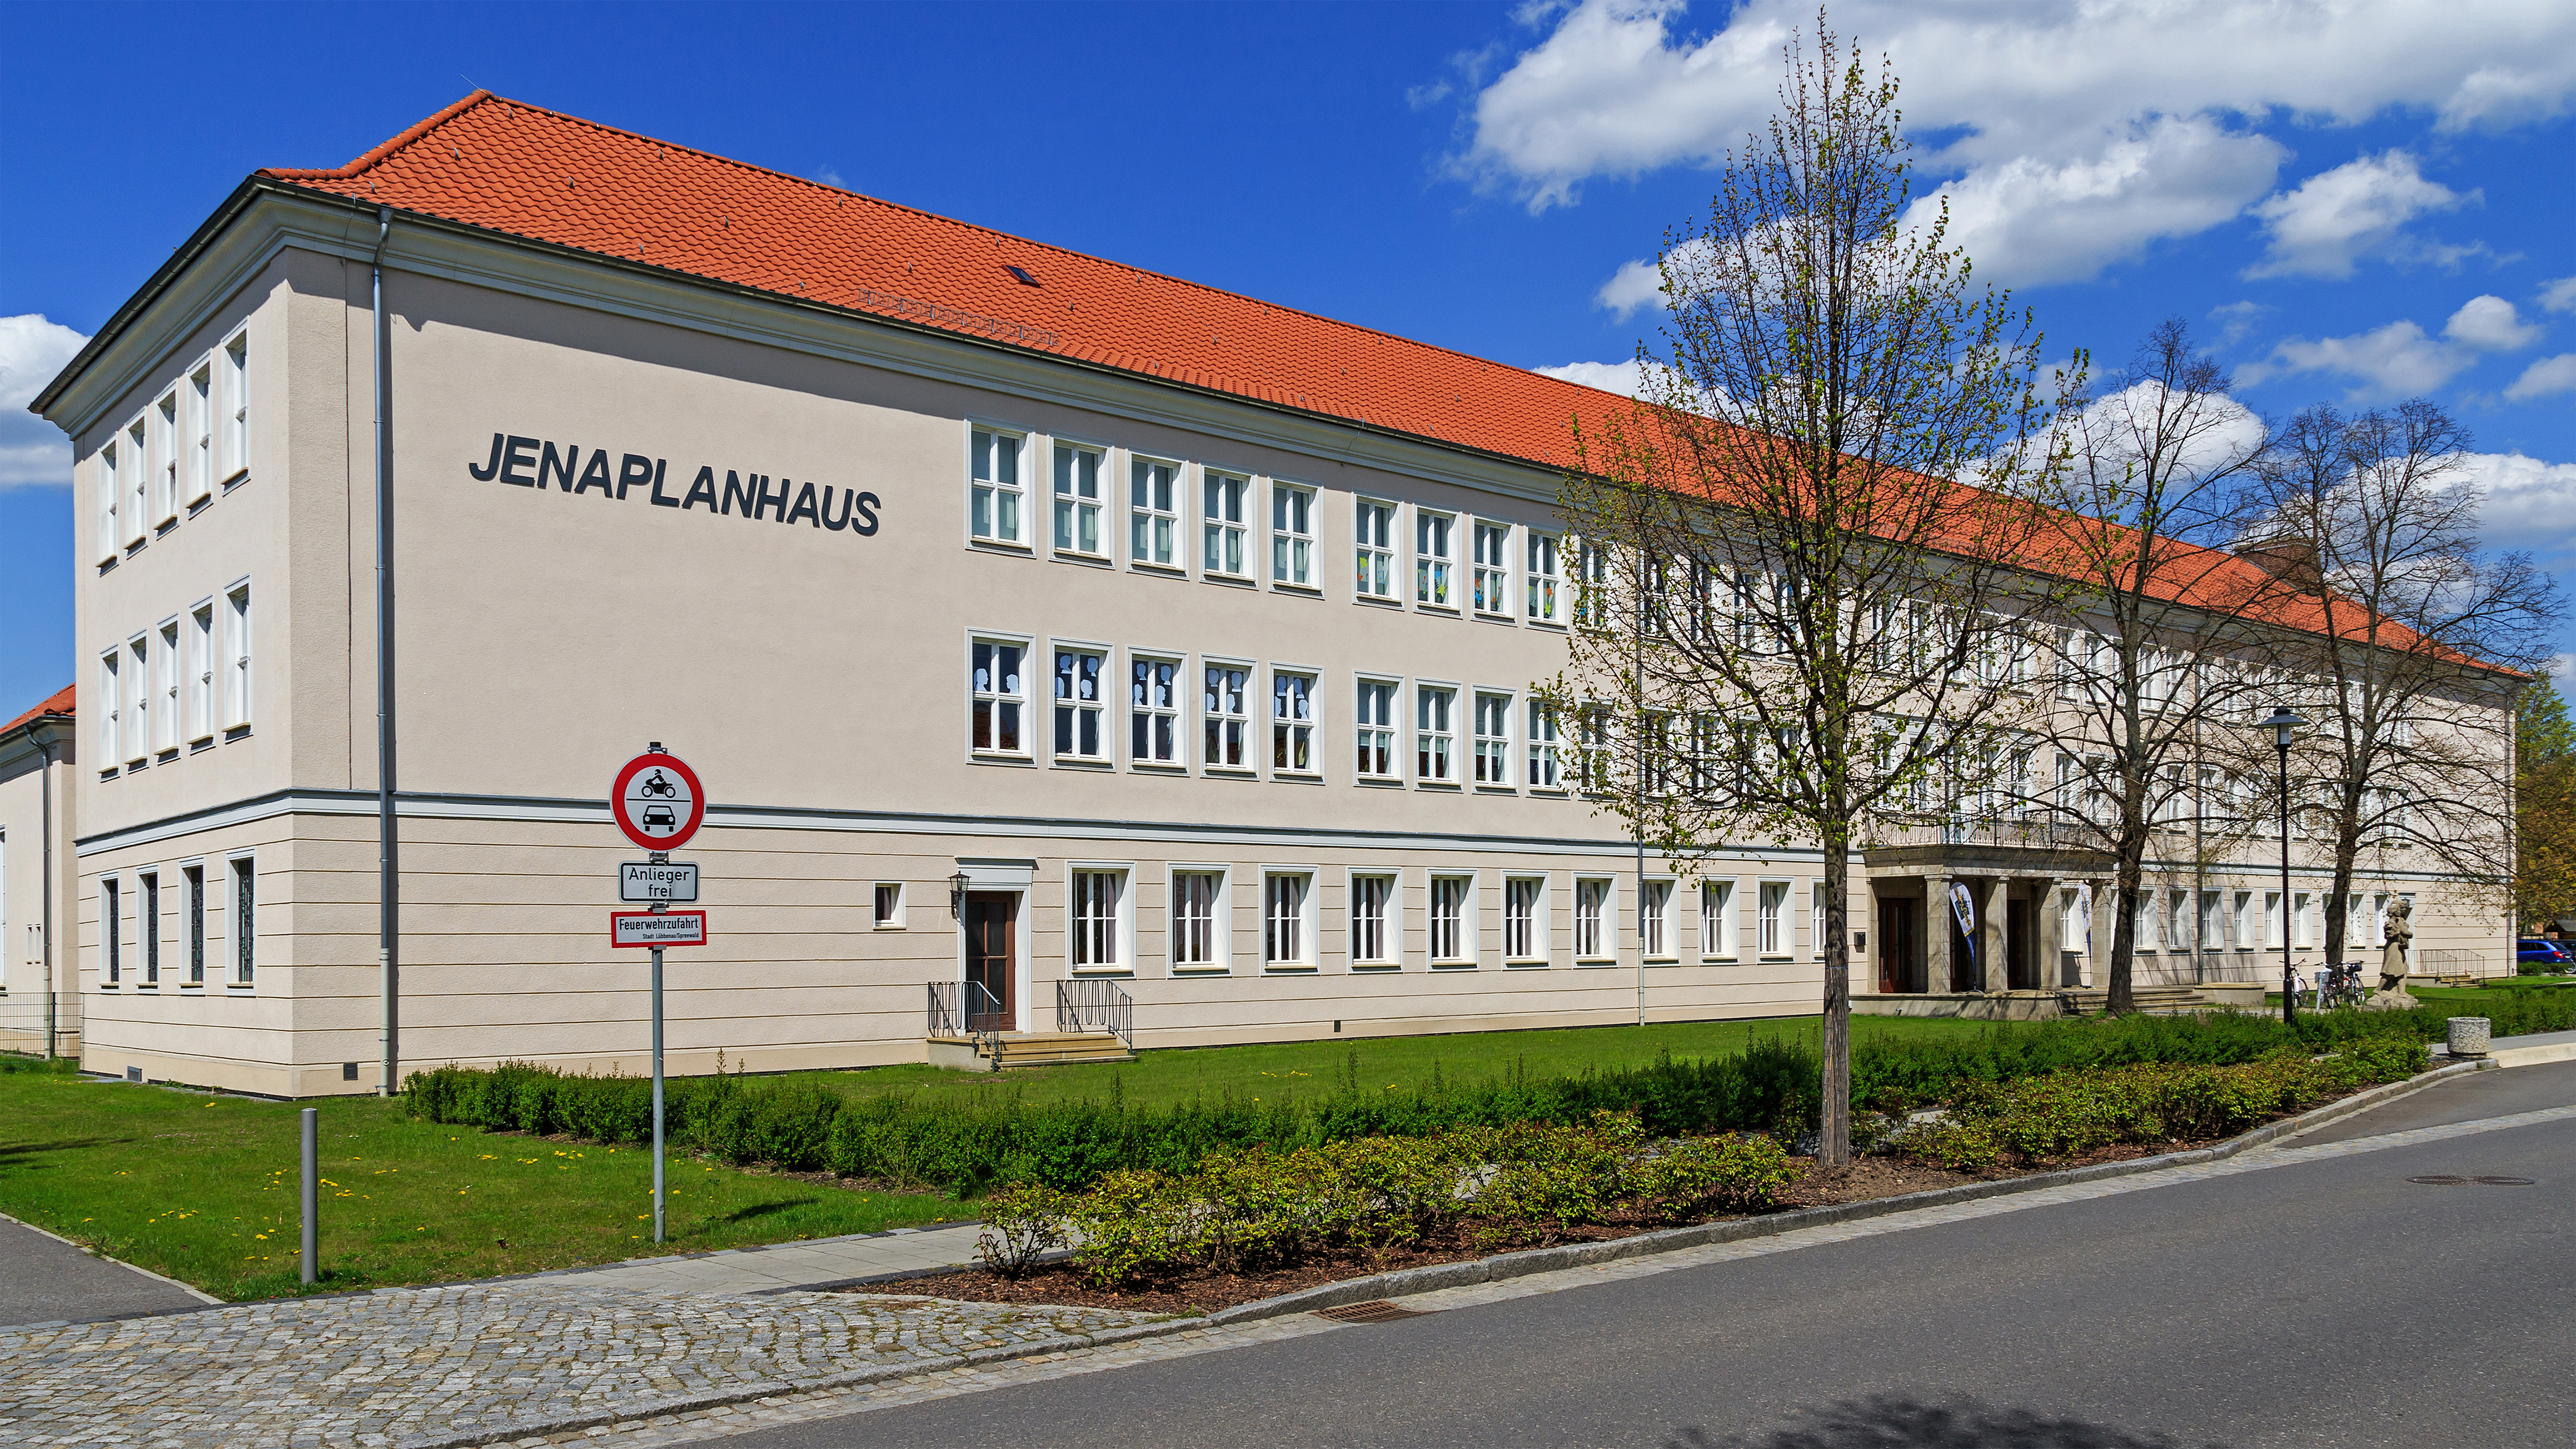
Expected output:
(59, 702)
(490, 162)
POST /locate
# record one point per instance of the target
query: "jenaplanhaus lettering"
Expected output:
(535, 463)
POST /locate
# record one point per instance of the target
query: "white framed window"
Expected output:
(1654, 919)
(1545, 603)
(243, 925)
(2185, 933)
(237, 639)
(1292, 722)
(1373, 936)
(165, 691)
(1374, 525)
(147, 921)
(200, 433)
(1592, 749)
(1287, 935)
(138, 480)
(1590, 584)
(885, 906)
(1595, 935)
(1493, 739)
(165, 463)
(2240, 922)
(1717, 920)
(1435, 735)
(2272, 919)
(1544, 764)
(2303, 918)
(2074, 931)
(1153, 710)
(1292, 535)
(1154, 512)
(1096, 919)
(1816, 919)
(1000, 695)
(138, 712)
(1079, 733)
(201, 672)
(109, 498)
(111, 932)
(1373, 706)
(192, 879)
(1221, 523)
(994, 489)
(110, 713)
(1077, 500)
(2149, 915)
(1524, 920)
(232, 399)
(1225, 717)
(1490, 589)
(1434, 540)
(1198, 920)
(1453, 920)
(1771, 922)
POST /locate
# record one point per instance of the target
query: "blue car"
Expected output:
(2541, 951)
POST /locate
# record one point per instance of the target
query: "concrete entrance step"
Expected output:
(2149, 1000)
(1028, 1049)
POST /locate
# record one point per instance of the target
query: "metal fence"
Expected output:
(36, 1022)
(1095, 1005)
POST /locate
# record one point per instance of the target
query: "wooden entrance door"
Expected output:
(2021, 945)
(992, 958)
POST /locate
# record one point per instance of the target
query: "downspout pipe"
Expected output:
(388, 930)
(45, 898)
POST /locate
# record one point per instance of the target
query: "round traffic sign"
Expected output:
(658, 801)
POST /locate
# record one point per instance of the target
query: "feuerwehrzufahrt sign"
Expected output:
(657, 928)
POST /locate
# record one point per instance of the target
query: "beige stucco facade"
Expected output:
(819, 681)
(40, 999)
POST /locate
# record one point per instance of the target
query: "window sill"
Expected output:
(1296, 777)
(1088, 560)
(1111, 973)
(1275, 968)
(996, 757)
(1598, 961)
(1453, 965)
(1376, 967)
(889, 926)
(1157, 767)
(1078, 762)
(167, 756)
(1202, 971)
(1785, 960)
(1525, 965)
(1159, 570)
(1548, 624)
(1001, 545)
(192, 986)
(238, 478)
(1380, 600)
(1450, 787)
(1234, 581)
(1230, 772)
(1719, 961)
(1383, 782)
(1486, 617)
(236, 732)
(1496, 790)
(1663, 960)
(201, 742)
(237, 985)
(1282, 586)
(1549, 792)
(1450, 610)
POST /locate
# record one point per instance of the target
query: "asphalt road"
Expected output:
(44, 1280)
(2328, 1302)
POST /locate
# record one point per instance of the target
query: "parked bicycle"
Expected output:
(2339, 986)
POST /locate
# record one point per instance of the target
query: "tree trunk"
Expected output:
(2347, 848)
(2124, 933)
(1835, 1148)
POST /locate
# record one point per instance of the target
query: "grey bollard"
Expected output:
(310, 1171)
(2469, 1036)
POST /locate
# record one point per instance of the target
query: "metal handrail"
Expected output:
(968, 1009)
(1086, 1004)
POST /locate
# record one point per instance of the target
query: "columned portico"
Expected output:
(2005, 963)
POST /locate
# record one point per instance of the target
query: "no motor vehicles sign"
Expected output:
(658, 801)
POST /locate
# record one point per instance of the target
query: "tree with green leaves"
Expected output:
(2544, 800)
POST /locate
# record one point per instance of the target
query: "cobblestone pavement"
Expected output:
(470, 1363)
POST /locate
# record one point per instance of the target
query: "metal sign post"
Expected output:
(309, 1131)
(657, 1081)
(658, 803)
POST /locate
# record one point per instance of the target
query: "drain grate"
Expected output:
(2445, 1179)
(1376, 1310)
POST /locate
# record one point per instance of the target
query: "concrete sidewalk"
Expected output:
(44, 1279)
(822, 1263)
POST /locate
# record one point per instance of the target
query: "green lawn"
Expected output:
(1310, 1068)
(203, 1189)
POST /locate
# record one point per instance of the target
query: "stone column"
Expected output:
(1936, 934)
(2044, 957)
(1992, 915)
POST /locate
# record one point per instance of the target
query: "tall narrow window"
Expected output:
(1292, 535)
(1194, 933)
(1375, 526)
(245, 921)
(1772, 920)
(201, 434)
(1543, 763)
(996, 683)
(1816, 921)
(201, 673)
(2272, 919)
(138, 721)
(195, 876)
(1095, 919)
(1451, 897)
(1153, 513)
(1226, 712)
(2303, 918)
(1435, 734)
(1591, 904)
(2240, 922)
(111, 932)
(1077, 499)
(165, 705)
(108, 498)
(108, 706)
(1545, 604)
(1431, 558)
(1292, 722)
(233, 448)
(165, 470)
(138, 480)
(147, 915)
(994, 495)
(1493, 739)
(1078, 705)
(1717, 920)
(237, 658)
(1592, 750)
(1153, 711)
(1491, 588)
(1654, 915)
(1371, 942)
(1376, 730)
(1223, 523)
(1591, 583)
(1521, 939)
(1283, 919)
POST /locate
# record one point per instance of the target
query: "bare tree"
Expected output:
(2143, 664)
(1791, 599)
(2411, 644)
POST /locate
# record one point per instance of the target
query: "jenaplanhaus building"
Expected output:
(1031, 619)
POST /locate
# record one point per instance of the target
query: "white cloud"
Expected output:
(2527, 504)
(2070, 124)
(2236, 319)
(2558, 296)
(2562, 672)
(2488, 324)
(1623, 378)
(2357, 209)
(1637, 284)
(32, 351)
(2545, 378)
(2401, 358)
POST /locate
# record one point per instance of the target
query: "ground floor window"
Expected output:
(1371, 942)
(111, 946)
(147, 907)
(1657, 898)
(1717, 920)
(1591, 905)
(1522, 899)
(887, 907)
(1283, 919)
(1194, 913)
(1772, 922)
(245, 920)
(195, 876)
(1452, 902)
(1096, 895)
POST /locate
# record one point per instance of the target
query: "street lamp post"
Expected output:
(2282, 723)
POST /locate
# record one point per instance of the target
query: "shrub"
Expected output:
(1688, 1178)
(1131, 1223)
(1020, 1224)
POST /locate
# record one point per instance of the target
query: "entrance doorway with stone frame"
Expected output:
(2004, 960)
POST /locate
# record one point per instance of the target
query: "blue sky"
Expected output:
(2353, 208)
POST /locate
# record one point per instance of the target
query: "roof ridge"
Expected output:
(383, 149)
